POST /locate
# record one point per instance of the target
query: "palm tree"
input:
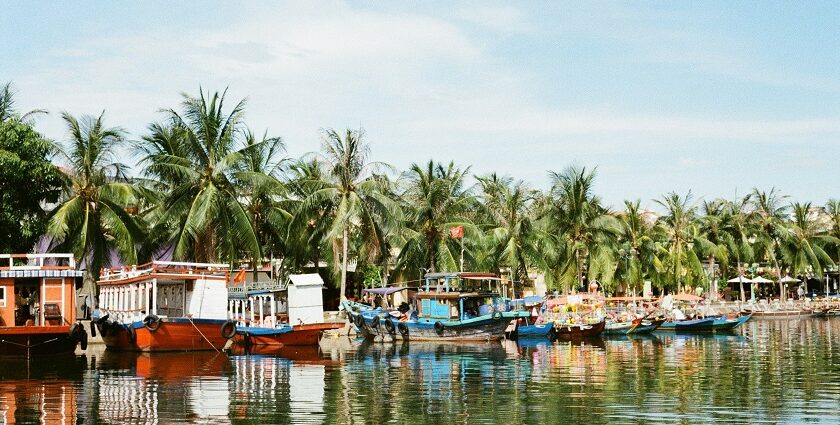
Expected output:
(713, 226)
(510, 231)
(682, 234)
(738, 234)
(585, 229)
(202, 210)
(832, 208)
(91, 220)
(352, 196)
(435, 201)
(7, 105)
(638, 245)
(768, 216)
(803, 246)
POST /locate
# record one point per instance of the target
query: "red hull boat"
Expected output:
(300, 335)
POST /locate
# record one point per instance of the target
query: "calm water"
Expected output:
(771, 371)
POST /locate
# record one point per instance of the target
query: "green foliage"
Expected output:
(28, 182)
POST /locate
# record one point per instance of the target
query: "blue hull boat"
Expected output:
(542, 330)
(696, 325)
(723, 323)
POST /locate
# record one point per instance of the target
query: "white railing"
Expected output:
(36, 261)
(165, 266)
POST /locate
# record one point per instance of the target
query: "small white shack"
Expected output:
(306, 299)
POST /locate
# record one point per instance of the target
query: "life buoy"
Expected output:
(439, 328)
(389, 326)
(131, 332)
(228, 329)
(359, 321)
(403, 329)
(152, 322)
(497, 315)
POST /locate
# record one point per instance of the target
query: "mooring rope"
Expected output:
(202, 334)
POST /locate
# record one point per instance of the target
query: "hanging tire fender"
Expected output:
(403, 329)
(389, 326)
(439, 327)
(152, 322)
(131, 332)
(228, 329)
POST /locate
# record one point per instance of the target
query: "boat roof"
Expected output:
(38, 266)
(164, 270)
(390, 290)
(454, 295)
(462, 275)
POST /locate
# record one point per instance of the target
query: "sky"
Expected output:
(712, 97)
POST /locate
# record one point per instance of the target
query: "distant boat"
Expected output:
(725, 323)
(578, 330)
(695, 325)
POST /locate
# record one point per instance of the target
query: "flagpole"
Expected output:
(462, 253)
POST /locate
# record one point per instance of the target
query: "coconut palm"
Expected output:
(832, 208)
(352, 197)
(713, 226)
(584, 229)
(510, 231)
(769, 216)
(202, 211)
(738, 235)
(637, 247)
(435, 200)
(681, 236)
(7, 105)
(803, 247)
(91, 221)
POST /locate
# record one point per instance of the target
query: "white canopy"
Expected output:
(740, 279)
(760, 279)
(788, 279)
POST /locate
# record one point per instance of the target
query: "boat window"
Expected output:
(2, 296)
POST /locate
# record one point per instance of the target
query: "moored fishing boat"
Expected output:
(532, 325)
(576, 316)
(688, 325)
(38, 305)
(165, 306)
(275, 315)
(451, 307)
(729, 322)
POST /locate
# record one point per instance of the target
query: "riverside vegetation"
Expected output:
(208, 188)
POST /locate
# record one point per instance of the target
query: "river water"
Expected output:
(770, 371)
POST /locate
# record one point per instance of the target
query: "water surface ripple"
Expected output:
(771, 371)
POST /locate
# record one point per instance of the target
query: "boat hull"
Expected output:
(300, 335)
(34, 341)
(697, 325)
(484, 328)
(566, 331)
(725, 324)
(174, 334)
(542, 330)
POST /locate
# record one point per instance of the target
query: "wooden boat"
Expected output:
(38, 305)
(532, 325)
(578, 330)
(646, 327)
(452, 307)
(165, 306)
(693, 325)
(727, 322)
(533, 330)
(277, 315)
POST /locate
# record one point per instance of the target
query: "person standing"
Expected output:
(800, 291)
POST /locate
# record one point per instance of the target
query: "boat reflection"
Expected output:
(42, 391)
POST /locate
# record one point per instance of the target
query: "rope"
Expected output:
(202, 334)
(27, 345)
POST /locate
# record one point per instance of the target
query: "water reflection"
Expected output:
(770, 371)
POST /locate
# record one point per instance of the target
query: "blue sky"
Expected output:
(716, 97)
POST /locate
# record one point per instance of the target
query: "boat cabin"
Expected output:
(454, 305)
(267, 304)
(164, 289)
(38, 289)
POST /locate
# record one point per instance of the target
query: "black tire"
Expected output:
(497, 315)
(93, 329)
(228, 329)
(389, 326)
(375, 323)
(403, 329)
(359, 321)
(439, 328)
(131, 332)
(152, 322)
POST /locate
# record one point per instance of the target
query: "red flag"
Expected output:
(457, 232)
(240, 277)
